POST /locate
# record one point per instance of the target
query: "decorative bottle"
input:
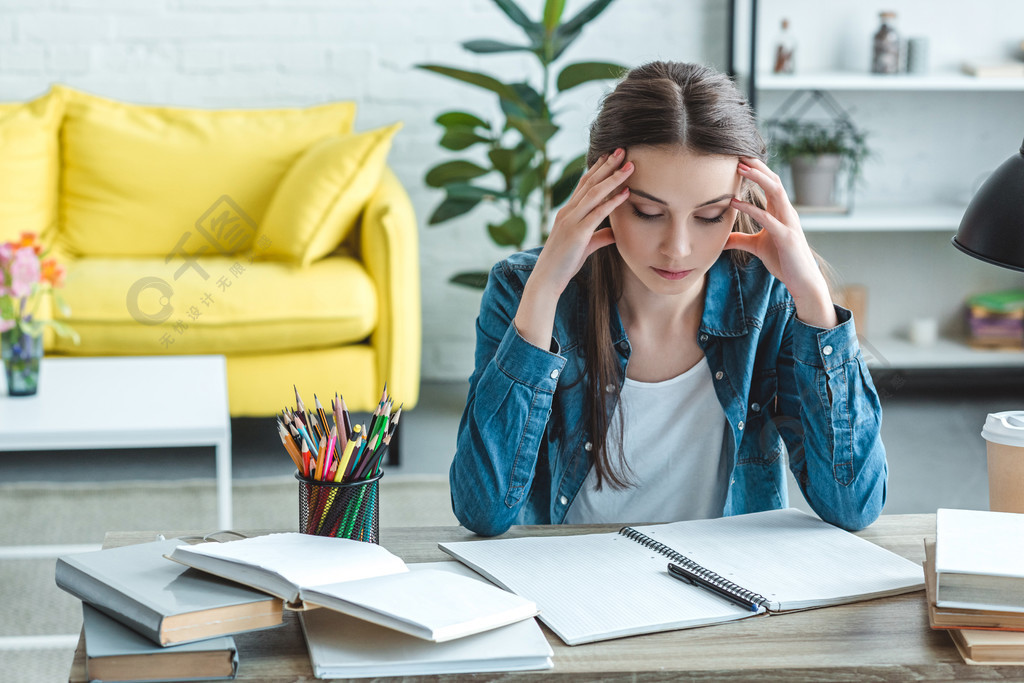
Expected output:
(785, 50)
(886, 55)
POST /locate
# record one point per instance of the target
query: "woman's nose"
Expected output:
(677, 244)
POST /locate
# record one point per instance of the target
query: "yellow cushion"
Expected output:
(135, 306)
(29, 165)
(137, 180)
(322, 195)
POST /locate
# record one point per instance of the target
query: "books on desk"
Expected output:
(977, 549)
(341, 646)
(979, 560)
(598, 586)
(115, 652)
(165, 601)
(363, 580)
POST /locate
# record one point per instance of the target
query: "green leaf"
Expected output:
(450, 208)
(553, 10)
(584, 72)
(458, 138)
(62, 305)
(475, 279)
(511, 233)
(584, 17)
(63, 330)
(538, 132)
(561, 43)
(467, 191)
(487, 46)
(7, 311)
(564, 186)
(503, 160)
(529, 105)
(529, 182)
(517, 15)
(474, 78)
(461, 118)
(453, 171)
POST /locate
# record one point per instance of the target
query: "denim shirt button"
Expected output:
(755, 407)
(563, 500)
(588, 446)
(609, 388)
(827, 350)
(719, 375)
(624, 346)
(740, 425)
(703, 338)
(554, 374)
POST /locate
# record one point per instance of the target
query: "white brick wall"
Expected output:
(256, 53)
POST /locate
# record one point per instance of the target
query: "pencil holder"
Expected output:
(349, 510)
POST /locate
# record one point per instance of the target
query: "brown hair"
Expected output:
(661, 103)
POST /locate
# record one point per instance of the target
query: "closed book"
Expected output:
(363, 580)
(954, 618)
(989, 647)
(341, 646)
(979, 560)
(114, 652)
(163, 600)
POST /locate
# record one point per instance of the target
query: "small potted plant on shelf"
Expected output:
(817, 153)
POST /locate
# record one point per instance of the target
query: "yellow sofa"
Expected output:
(276, 237)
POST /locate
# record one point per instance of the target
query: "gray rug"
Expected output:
(33, 514)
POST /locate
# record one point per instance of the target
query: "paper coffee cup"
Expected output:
(1004, 436)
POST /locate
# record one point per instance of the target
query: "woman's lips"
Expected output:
(672, 274)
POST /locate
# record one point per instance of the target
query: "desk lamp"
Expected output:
(992, 230)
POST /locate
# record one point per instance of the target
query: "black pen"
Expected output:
(684, 574)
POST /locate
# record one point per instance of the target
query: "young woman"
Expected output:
(673, 344)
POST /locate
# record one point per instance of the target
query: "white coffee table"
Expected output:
(126, 402)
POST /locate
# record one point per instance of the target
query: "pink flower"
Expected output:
(24, 272)
(6, 325)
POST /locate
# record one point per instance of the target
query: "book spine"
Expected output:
(106, 599)
(711, 577)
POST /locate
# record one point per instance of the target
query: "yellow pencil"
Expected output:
(345, 457)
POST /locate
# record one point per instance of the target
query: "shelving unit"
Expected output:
(878, 225)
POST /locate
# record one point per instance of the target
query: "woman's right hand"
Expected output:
(574, 237)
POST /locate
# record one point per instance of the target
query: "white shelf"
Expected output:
(894, 353)
(902, 218)
(853, 80)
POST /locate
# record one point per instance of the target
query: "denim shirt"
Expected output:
(790, 391)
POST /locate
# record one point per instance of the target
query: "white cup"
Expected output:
(1004, 437)
(924, 331)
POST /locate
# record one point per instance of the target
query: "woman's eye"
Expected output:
(644, 216)
(712, 219)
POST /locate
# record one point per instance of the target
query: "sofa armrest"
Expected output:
(389, 242)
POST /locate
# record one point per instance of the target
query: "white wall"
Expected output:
(256, 53)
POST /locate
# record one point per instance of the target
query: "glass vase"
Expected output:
(21, 354)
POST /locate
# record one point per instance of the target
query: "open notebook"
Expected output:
(598, 586)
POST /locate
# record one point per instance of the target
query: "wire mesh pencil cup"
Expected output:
(343, 510)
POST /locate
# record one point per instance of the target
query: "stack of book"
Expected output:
(974, 581)
(996, 319)
(168, 610)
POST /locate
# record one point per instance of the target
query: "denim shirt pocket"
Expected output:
(761, 443)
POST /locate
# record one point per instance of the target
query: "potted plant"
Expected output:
(513, 167)
(816, 154)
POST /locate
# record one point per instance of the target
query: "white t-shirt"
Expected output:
(673, 444)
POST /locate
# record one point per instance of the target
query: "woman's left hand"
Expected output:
(782, 246)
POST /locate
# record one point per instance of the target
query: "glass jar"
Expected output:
(886, 54)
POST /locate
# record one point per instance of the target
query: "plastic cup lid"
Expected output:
(1006, 428)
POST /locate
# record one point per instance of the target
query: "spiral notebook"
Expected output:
(594, 587)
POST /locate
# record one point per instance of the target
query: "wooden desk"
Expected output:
(885, 639)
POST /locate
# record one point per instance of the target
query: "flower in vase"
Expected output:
(25, 276)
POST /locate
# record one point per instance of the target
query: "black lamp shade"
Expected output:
(992, 228)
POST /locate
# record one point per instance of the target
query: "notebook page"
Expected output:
(794, 560)
(595, 586)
